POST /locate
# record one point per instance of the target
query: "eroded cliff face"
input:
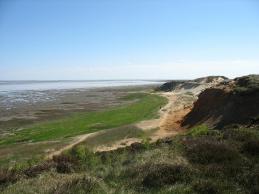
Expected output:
(232, 102)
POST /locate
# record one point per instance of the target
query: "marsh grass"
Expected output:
(145, 107)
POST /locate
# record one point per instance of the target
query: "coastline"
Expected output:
(60, 103)
(71, 103)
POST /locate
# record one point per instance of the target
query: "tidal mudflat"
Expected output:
(34, 115)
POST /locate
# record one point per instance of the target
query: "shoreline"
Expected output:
(98, 101)
(60, 103)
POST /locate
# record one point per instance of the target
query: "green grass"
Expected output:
(162, 167)
(145, 107)
(198, 131)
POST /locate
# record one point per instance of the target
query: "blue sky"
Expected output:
(128, 39)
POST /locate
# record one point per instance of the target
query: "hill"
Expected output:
(232, 102)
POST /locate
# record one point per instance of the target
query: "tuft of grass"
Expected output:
(198, 131)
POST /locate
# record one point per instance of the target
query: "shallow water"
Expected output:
(10, 86)
(17, 93)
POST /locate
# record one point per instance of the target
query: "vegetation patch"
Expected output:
(83, 184)
(241, 134)
(198, 131)
(247, 84)
(251, 147)
(145, 107)
(8, 176)
(205, 187)
(209, 150)
(165, 174)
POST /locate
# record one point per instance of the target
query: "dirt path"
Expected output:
(76, 141)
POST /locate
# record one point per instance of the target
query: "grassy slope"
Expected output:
(200, 162)
(145, 107)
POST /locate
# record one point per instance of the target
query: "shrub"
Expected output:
(84, 155)
(76, 185)
(208, 150)
(250, 180)
(205, 187)
(198, 131)
(159, 175)
(164, 141)
(37, 169)
(135, 147)
(241, 134)
(8, 176)
(251, 147)
(64, 163)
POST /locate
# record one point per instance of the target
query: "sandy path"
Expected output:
(76, 141)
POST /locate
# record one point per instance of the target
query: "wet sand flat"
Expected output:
(36, 106)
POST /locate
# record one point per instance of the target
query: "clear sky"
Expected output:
(128, 39)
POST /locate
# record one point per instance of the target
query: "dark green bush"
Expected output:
(205, 187)
(8, 176)
(250, 180)
(240, 134)
(251, 147)
(33, 171)
(198, 131)
(64, 163)
(208, 150)
(159, 175)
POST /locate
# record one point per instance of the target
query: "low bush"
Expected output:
(208, 150)
(33, 171)
(86, 157)
(205, 187)
(199, 131)
(151, 175)
(240, 134)
(251, 147)
(8, 176)
(76, 185)
(159, 175)
(250, 179)
(64, 163)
